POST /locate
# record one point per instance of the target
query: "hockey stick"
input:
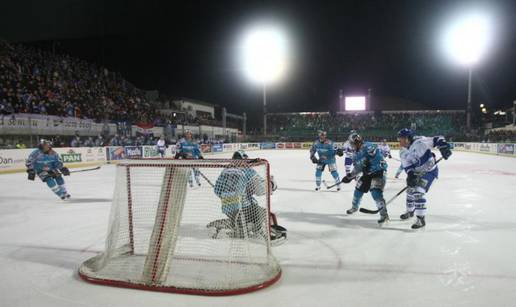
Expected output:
(326, 185)
(365, 210)
(335, 184)
(85, 170)
(206, 178)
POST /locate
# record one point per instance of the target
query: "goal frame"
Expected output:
(190, 164)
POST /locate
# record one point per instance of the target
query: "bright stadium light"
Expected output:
(264, 58)
(468, 38)
(264, 54)
(466, 41)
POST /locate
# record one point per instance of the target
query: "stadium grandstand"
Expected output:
(38, 84)
(93, 106)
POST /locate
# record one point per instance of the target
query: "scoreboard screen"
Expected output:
(355, 103)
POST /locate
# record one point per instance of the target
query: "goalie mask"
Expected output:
(239, 155)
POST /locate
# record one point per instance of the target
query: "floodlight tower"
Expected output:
(466, 40)
(264, 59)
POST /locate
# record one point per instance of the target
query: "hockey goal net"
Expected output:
(188, 226)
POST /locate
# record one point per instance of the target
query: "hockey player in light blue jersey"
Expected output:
(326, 151)
(186, 148)
(47, 164)
(420, 165)
(368, 160)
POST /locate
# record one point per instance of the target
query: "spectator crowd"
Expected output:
(41, 82)
(371, 124)
(504, 136)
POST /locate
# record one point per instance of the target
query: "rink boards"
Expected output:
(13, 160)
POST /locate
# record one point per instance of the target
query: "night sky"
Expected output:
(188, 48)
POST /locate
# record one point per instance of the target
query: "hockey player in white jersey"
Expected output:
(386, 150)
(403, 153)
(161, 147)
(348, 151)
(420, 165)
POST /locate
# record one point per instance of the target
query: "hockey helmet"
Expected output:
(356, 140)
(406, 133)
(44, 142)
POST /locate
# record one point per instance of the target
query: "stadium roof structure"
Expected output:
(196, 101)
(389, 103)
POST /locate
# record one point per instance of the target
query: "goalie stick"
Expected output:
(85, 170)
(365, 210)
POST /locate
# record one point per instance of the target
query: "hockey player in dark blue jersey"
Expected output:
(47, 164)
(326, 151)
(368, 160)
(420, 165)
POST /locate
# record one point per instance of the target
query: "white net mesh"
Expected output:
(191, 226)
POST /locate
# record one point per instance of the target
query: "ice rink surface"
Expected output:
(466, 256)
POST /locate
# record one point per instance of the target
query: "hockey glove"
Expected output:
(314, 160)
(347, 179)
(201, 157)
(31, 174)
(445, 151)
(411, 179)
(65, 171)
(340, 152)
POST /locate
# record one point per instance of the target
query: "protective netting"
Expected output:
(190, 226)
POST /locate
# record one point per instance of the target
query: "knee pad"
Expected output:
(415, 193)
(60, 180)
(332, 167)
